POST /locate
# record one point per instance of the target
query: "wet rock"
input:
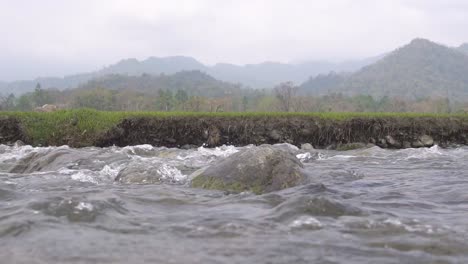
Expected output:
(139, 175)
(417, 144)
(188, 146)
(423, 141)
(275, 135)
(308, 157)
(150, 173)
(171, 140)
(260, 170)
(427, 141)
(49, 160)
(392, 142)
(382, 143)
(19, 143)
(313, 206)
(214, 137)
(331, 147)
(305, 132)
(307, 147)
(351, 146)
(286, 147)
(406, 144)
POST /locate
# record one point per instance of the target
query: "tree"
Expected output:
(165, 100)
(99, 99)
(181, 97)
(40, 96)
(285, 93)
(25, 103)
(195, 103)
(245, 103)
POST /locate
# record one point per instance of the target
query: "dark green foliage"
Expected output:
(419, 70)
(99, 99)
(322, 84)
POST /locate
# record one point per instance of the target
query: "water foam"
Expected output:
(306, 222)
(171, 174)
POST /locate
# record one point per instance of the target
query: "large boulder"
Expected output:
(258, 169)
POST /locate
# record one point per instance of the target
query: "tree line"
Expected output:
(283, 98)
(194, 91)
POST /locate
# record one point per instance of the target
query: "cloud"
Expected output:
(90, 33)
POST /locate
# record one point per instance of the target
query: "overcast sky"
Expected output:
(57, 37)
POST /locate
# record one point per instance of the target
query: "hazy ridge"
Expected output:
(418, 70)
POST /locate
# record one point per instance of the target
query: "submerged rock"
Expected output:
(138, 175)
(351, 146)
(49, 160)
(260, 170)
(153, 174)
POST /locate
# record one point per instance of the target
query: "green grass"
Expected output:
(86, 124)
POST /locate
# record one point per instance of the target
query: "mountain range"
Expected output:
(418, 70)
(263, 75)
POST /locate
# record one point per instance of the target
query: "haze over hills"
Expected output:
(418, 70)
(195, 83)
(464, 48)
(263, 75)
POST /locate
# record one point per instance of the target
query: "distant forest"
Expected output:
(198, 92)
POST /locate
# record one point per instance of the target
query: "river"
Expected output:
(62, 205)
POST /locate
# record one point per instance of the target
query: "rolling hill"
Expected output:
(418, 70)
(195, 83)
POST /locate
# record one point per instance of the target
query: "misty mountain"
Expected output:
(195, 83)
(464, 48)
(154, 66)
(323, 84)
(263, 75)
(269, 74)
(418, 70)
(20, 87)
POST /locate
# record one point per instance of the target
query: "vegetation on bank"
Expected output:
(197, 92)
(82, 126)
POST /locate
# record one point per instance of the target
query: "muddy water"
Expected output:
(62, 205)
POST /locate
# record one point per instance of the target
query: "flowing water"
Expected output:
(62, 205)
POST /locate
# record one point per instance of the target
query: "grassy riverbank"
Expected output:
(82, 127)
